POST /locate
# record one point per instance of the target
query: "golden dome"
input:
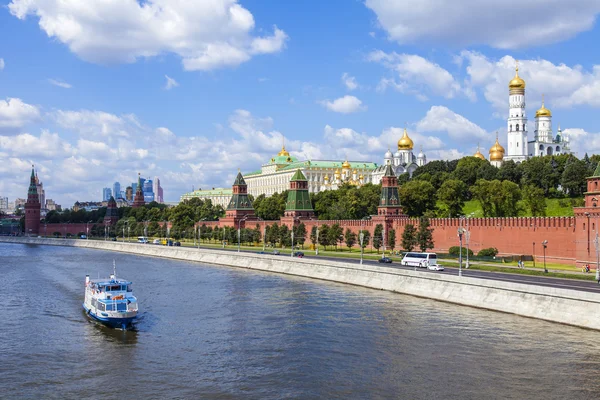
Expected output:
(516, 83)
(326, 177)
(283, 152)
(405, 143)
(361, 177)
(496, 151)
(337, 172)
(346, 165)
(478, 154)
(543, 111)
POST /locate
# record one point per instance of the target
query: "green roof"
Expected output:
(597, 171)
(239, 180)
(253, 173)
(298, 176)
(283, 159)
(389, 171)
(330, 164)
(213, 192)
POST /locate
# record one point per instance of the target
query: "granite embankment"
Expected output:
(552, 304)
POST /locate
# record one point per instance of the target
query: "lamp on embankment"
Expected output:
(461, 231)
(545, 244)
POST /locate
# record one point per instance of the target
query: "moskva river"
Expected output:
(207, 332)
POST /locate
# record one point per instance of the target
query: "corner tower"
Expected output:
(517, 119)
(240, 207)
(298, 200)
(112, 214)
(32, 207)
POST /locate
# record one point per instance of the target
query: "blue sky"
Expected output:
(190, 91)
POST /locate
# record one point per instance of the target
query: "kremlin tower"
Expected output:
(138, 200)
(32, 207)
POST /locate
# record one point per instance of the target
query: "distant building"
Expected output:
(158, 191)
(19, 202)
(129, 193)
(87, 205)
(148, 191)
(138, 200)
(116, 192)
(218, 196)
(52, 206)
(4, 203)
(106, 194)
(40, 191)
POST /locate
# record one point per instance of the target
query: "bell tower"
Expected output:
(517, 119)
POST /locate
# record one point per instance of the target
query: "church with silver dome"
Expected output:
(403, 161)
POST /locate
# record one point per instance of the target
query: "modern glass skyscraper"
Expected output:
(148, 192)
(106, 193)
(116, 190)
(158, 191)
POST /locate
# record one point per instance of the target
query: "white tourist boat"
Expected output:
(110, 301)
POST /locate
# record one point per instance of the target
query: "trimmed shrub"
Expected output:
(455, 251)
(489, 252)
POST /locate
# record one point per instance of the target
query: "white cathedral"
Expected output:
(520, 148)
(402, 161)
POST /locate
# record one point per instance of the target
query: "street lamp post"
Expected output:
(597, 243)
(292, 252)
(533, 254)
(461, 231)
(87, 230)
(317, 238)
(45, 230)
(545, 244)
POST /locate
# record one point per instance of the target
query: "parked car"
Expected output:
(386, 260)
(83, 237)
(177, 244)
(298, 254)
(260, 252)
(156, 241)
(113, 239)
(276, 252)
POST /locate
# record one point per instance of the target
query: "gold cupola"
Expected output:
(346, 165)
(517, 84)
(336, 172)
(405, 143)
(543, 111)
(283, 152)
(496, 151)
(478, 154)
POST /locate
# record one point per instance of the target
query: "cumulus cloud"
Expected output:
(349, 81)
(59, 83)
(171, 83)
(564, 86)
(502, 24)
(205, 34)
(97, 123)
(442, 119)
(582, 141)
(15, 114)
(47, 146)
(1, 64)
(344, 105)
(417, 76)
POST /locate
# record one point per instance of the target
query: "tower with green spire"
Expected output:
(592, 195)
(138, 200)
(298, 201)
(240, 206)
(32, 207)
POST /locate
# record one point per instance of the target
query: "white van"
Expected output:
(422, 260)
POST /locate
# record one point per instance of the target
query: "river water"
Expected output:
(207, 332)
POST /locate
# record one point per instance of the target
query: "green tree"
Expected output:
(417, 197)
(497, 199)
(510, 171)
(409, 237)
(573, 179)
(285, 236)
(300, 234)
(467, 170)
(324, 235)
(336, 234)
(313, 235)
(391, 239)
(425, 234)
(378, 237)
(534, 200)
(271, 208)
(366, 238)
(350, 238)
(452, 195)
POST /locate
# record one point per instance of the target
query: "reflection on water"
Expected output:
(215, 332)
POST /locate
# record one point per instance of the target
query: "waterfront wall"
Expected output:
(565, 306)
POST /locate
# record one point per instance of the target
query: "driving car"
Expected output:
(386, 260)
(298, 254)
(435, 267)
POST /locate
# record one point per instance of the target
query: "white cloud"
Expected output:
(60, 83)
(583, 142)
(344, 105)
(14, 114)
(505, 24)
(205, 34)
(349, 81)
(1, 64)
(44, 147)
(171, 83)
(97, 123)
(563, 86)
(418, 76)
(442, 119)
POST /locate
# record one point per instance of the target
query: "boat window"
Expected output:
(109, 307)
(101, 307)
(129, 288)
(121, 306)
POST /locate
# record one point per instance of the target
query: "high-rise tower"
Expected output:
(517, 119)
(32, 207)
